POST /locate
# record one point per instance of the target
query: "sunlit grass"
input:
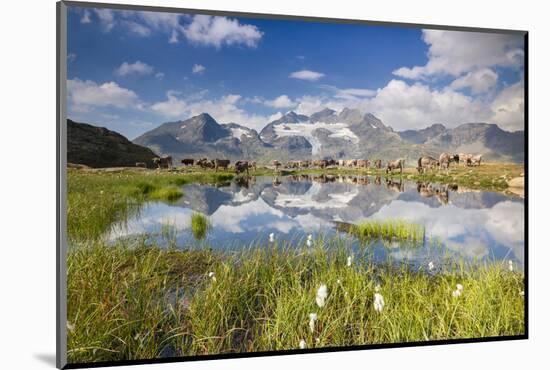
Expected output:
(126, 302)
(386, 230)
(97, 200)
(199, 225)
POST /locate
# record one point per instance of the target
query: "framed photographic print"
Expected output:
(235, 184)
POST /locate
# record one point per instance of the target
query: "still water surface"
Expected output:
(470, 224)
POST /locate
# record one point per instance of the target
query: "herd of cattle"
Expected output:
(425, 163)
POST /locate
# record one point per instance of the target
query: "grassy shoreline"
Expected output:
(131, 300)
(137, 301)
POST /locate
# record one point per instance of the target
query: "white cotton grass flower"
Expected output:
(271, 238)
(379, 302)
(522, 293)
(431, 266)
(317, 340)
(302, 344)
(510, 265)
(377, 288)
(212, 276)
(458, 291)
(309, 241)
(312, 319)
(70, 327)
(322, 294)
(349, 261)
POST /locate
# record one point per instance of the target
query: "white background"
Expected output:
(27, 182)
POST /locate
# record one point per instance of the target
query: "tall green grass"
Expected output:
(126, 302)
(199, 225)
(388, 230)
(97, 200)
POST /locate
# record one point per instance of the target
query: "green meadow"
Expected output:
(133, 299)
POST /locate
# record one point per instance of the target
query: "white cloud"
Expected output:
(85, 94)
(354, 93)
(138, 68)
(85, 17)
(219, 31)
(198, 68)
(307, 75)
(71, 57)
(159, 75)
(508, 108)
(478, 81)
(457, 52)
(309, 104)
(405, 106)
(172, 107)
(136, 28)
(282, 102)
(413, 106)
(106, 18)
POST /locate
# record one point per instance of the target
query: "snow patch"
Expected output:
(239, 132)
(338, 130)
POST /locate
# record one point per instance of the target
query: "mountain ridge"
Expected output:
(327, 134)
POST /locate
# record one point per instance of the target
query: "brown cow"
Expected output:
(321, 163)
(362, 163)
(445, 160)
(241, 166)
(304, 164)
(377, 164)
(476, 160)
(221, 163)
(188, 161)
(426, 162)
(350, 163)
(276, 164)
(163, 162)
(394, 165)
(466, 158)
(205, 163)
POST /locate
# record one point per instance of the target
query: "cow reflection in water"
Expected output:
(397, 186)
(245, 181)
(440, 191)
(275, 182)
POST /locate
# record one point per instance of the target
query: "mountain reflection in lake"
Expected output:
(472, 224)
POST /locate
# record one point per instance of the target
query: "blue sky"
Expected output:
(131, 71)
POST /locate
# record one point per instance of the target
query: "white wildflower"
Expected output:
(458, 291)
(510, 265)
(378, 302)
(70, 327)
(212, 276)
(302, 344)
(431, 266)
(377, 288)
(271, 238)
(322, 294)
(312, 319)
(338, 281)
(349, 261)
(522, 293)
(317, 340)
